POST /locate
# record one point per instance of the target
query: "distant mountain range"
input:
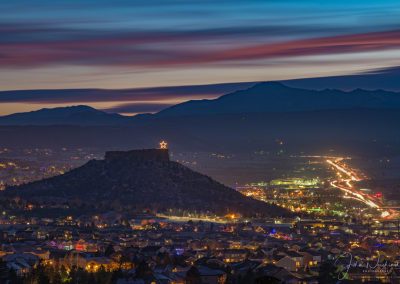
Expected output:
(138, 180)
(74, 115)
(276, 97)
(270, 97)
(370, 80)
(359, 121)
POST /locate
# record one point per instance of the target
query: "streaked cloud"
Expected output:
(134, 108)
(168, 95)
(141, 46)
(27, 47)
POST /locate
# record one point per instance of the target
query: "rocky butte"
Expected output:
(136, 180)
(156, 155)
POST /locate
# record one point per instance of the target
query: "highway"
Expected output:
(345, 182)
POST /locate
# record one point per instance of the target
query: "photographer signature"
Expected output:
(346, 261)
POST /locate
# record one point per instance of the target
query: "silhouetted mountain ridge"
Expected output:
(72, 115)
(268, 97)
(276, 97)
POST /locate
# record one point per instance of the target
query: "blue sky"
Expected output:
(145, 44)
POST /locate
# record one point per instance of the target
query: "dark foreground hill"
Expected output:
(137, 180)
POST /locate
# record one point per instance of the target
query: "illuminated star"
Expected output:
(163, 145)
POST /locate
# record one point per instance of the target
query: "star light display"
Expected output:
(163, 145)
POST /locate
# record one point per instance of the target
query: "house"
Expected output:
(288, 263)
(205, 275)
(234, 255)
(41, 253)
(240, 269)
(273, 274)
(290, 260)
(152, 251)
(74, 258)
(88, 262)
(93, 264)
(21, 263)
(311, 258)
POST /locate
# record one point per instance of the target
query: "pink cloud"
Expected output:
(158, 51)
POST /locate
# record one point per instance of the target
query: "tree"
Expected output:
(14, 279)
(109, 250)
(143, 270)
(193, 276)
(327, 273)
(65, 278)
(117, 274)
(103, 277)
(4, 271)
(267, 280)
(92, 279)
(39, 275)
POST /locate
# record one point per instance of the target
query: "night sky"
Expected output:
(147, 44)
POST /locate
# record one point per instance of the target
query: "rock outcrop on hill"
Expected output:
(136, 180)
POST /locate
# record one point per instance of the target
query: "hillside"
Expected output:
(140, 179)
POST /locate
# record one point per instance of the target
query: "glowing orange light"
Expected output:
(163, 145)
